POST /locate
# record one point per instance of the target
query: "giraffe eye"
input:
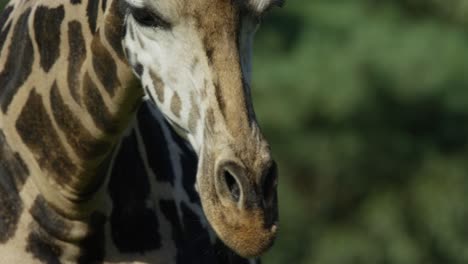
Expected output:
(147, 18)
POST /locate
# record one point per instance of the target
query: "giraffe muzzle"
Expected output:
(246, 214)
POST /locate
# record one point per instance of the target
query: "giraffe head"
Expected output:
(193, 59)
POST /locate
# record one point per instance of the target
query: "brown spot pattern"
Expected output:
(42, 247)
(4, 15)
(79, 138)
(194, 116)
(37, 132)
(176, 104)
(3, 35)
(76, 57)
(114, 30)
(97, 108)
(47, 218)
(4, 28)
(104, 66)
(13, 172)
(158, 85)
(18, 65)
(92, 11)
(11, 209)
(47, 22)
(12, 164)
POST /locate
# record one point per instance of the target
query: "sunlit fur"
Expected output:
(198, 73)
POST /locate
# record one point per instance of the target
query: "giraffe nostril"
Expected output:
(232, 185)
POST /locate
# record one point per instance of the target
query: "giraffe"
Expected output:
(73, 75)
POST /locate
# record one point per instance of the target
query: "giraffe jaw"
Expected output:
(244, 231)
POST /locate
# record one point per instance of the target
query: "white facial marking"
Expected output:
(169, 54)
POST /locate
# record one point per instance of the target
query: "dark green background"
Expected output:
(365, 103)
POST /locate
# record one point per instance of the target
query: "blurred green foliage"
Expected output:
(365, 103)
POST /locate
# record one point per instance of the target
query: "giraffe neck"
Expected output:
(66, 94)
